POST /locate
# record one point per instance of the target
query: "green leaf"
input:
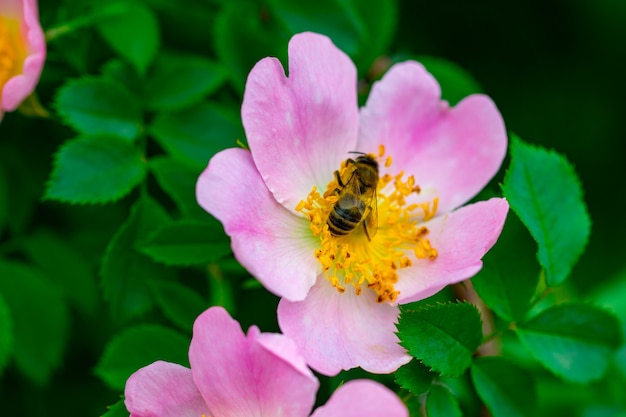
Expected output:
(95, 170)
(544, 191)
(442, 336)
(456, 83)
(99, 106)
(4, 199)
(187, 242)
(379, 20)
(501, 289)
(137, 347)
(415, 377)
(507, 390)
(133, 32)
(117, 410)
(125, 272)
(179, 303)
(6, 334)
(178, 81)
(40, 320)
(196, 134)
(574, 341)
(178, 180)
(220, 288)
(441, 403)
(243, 36)
(53, 255)
(334, 18)
(121, 72)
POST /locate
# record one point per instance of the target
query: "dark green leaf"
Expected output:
(6, 334)
(4, 199)
(379, 21)
(40, 320)
(544, 191)
(178, 81)
(442, 336)
(243, 36)
(137, 347)
(499, 287)
(125, 272)
(95, 170)
(133, 32)
(123, 73)
(53, 256)
(187, 242)
(334, 18)
(179, 303)
(441, 403)
(415, 377)
(196, 134)
(456, 83)
(574, 341)
(178, 180)
(117, 410)
(507, 390)
(99, 106)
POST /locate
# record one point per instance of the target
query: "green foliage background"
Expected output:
(98, 281)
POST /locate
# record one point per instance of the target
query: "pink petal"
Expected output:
(362, 398)
(163, 389)
(461, 238)
(453, 153)
(300, 128)
(336, 331)
(240, 376)
(21, 86)
(273, 244)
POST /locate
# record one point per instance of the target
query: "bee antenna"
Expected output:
(358, 152)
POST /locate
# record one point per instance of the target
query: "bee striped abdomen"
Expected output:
(346, 215)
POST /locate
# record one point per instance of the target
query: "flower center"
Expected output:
(367, 234)
(9, 51)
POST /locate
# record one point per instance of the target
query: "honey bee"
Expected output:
(356, 198)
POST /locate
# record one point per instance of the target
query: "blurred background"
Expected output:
(555, 69)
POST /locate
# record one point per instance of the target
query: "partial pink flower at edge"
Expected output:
(300, 128)
(238, 375)
(22, 52)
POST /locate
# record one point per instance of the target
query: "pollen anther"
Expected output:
(354, 259)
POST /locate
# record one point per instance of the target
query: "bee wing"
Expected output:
(371, 222)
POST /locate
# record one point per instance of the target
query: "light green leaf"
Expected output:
(95, 170)
(178, 81)
(132, 32)
(441, 403)
(178, 180)
(442, 336)
(137, 347)
(415, 377)
(544, 191)
(40, 320)
(196, 134)
(574, 341)
(187, 242)
(179, 303)
(99, 106)
(66, 267)
(6, 334)
(507, 390)
(126, 273)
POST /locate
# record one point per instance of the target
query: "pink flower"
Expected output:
(340, 294)
(253, 375)
(22, 52)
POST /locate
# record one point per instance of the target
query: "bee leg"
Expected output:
(338, 177)
(369, 239)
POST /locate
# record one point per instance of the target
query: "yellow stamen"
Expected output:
(354, 260)
(11, 50)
